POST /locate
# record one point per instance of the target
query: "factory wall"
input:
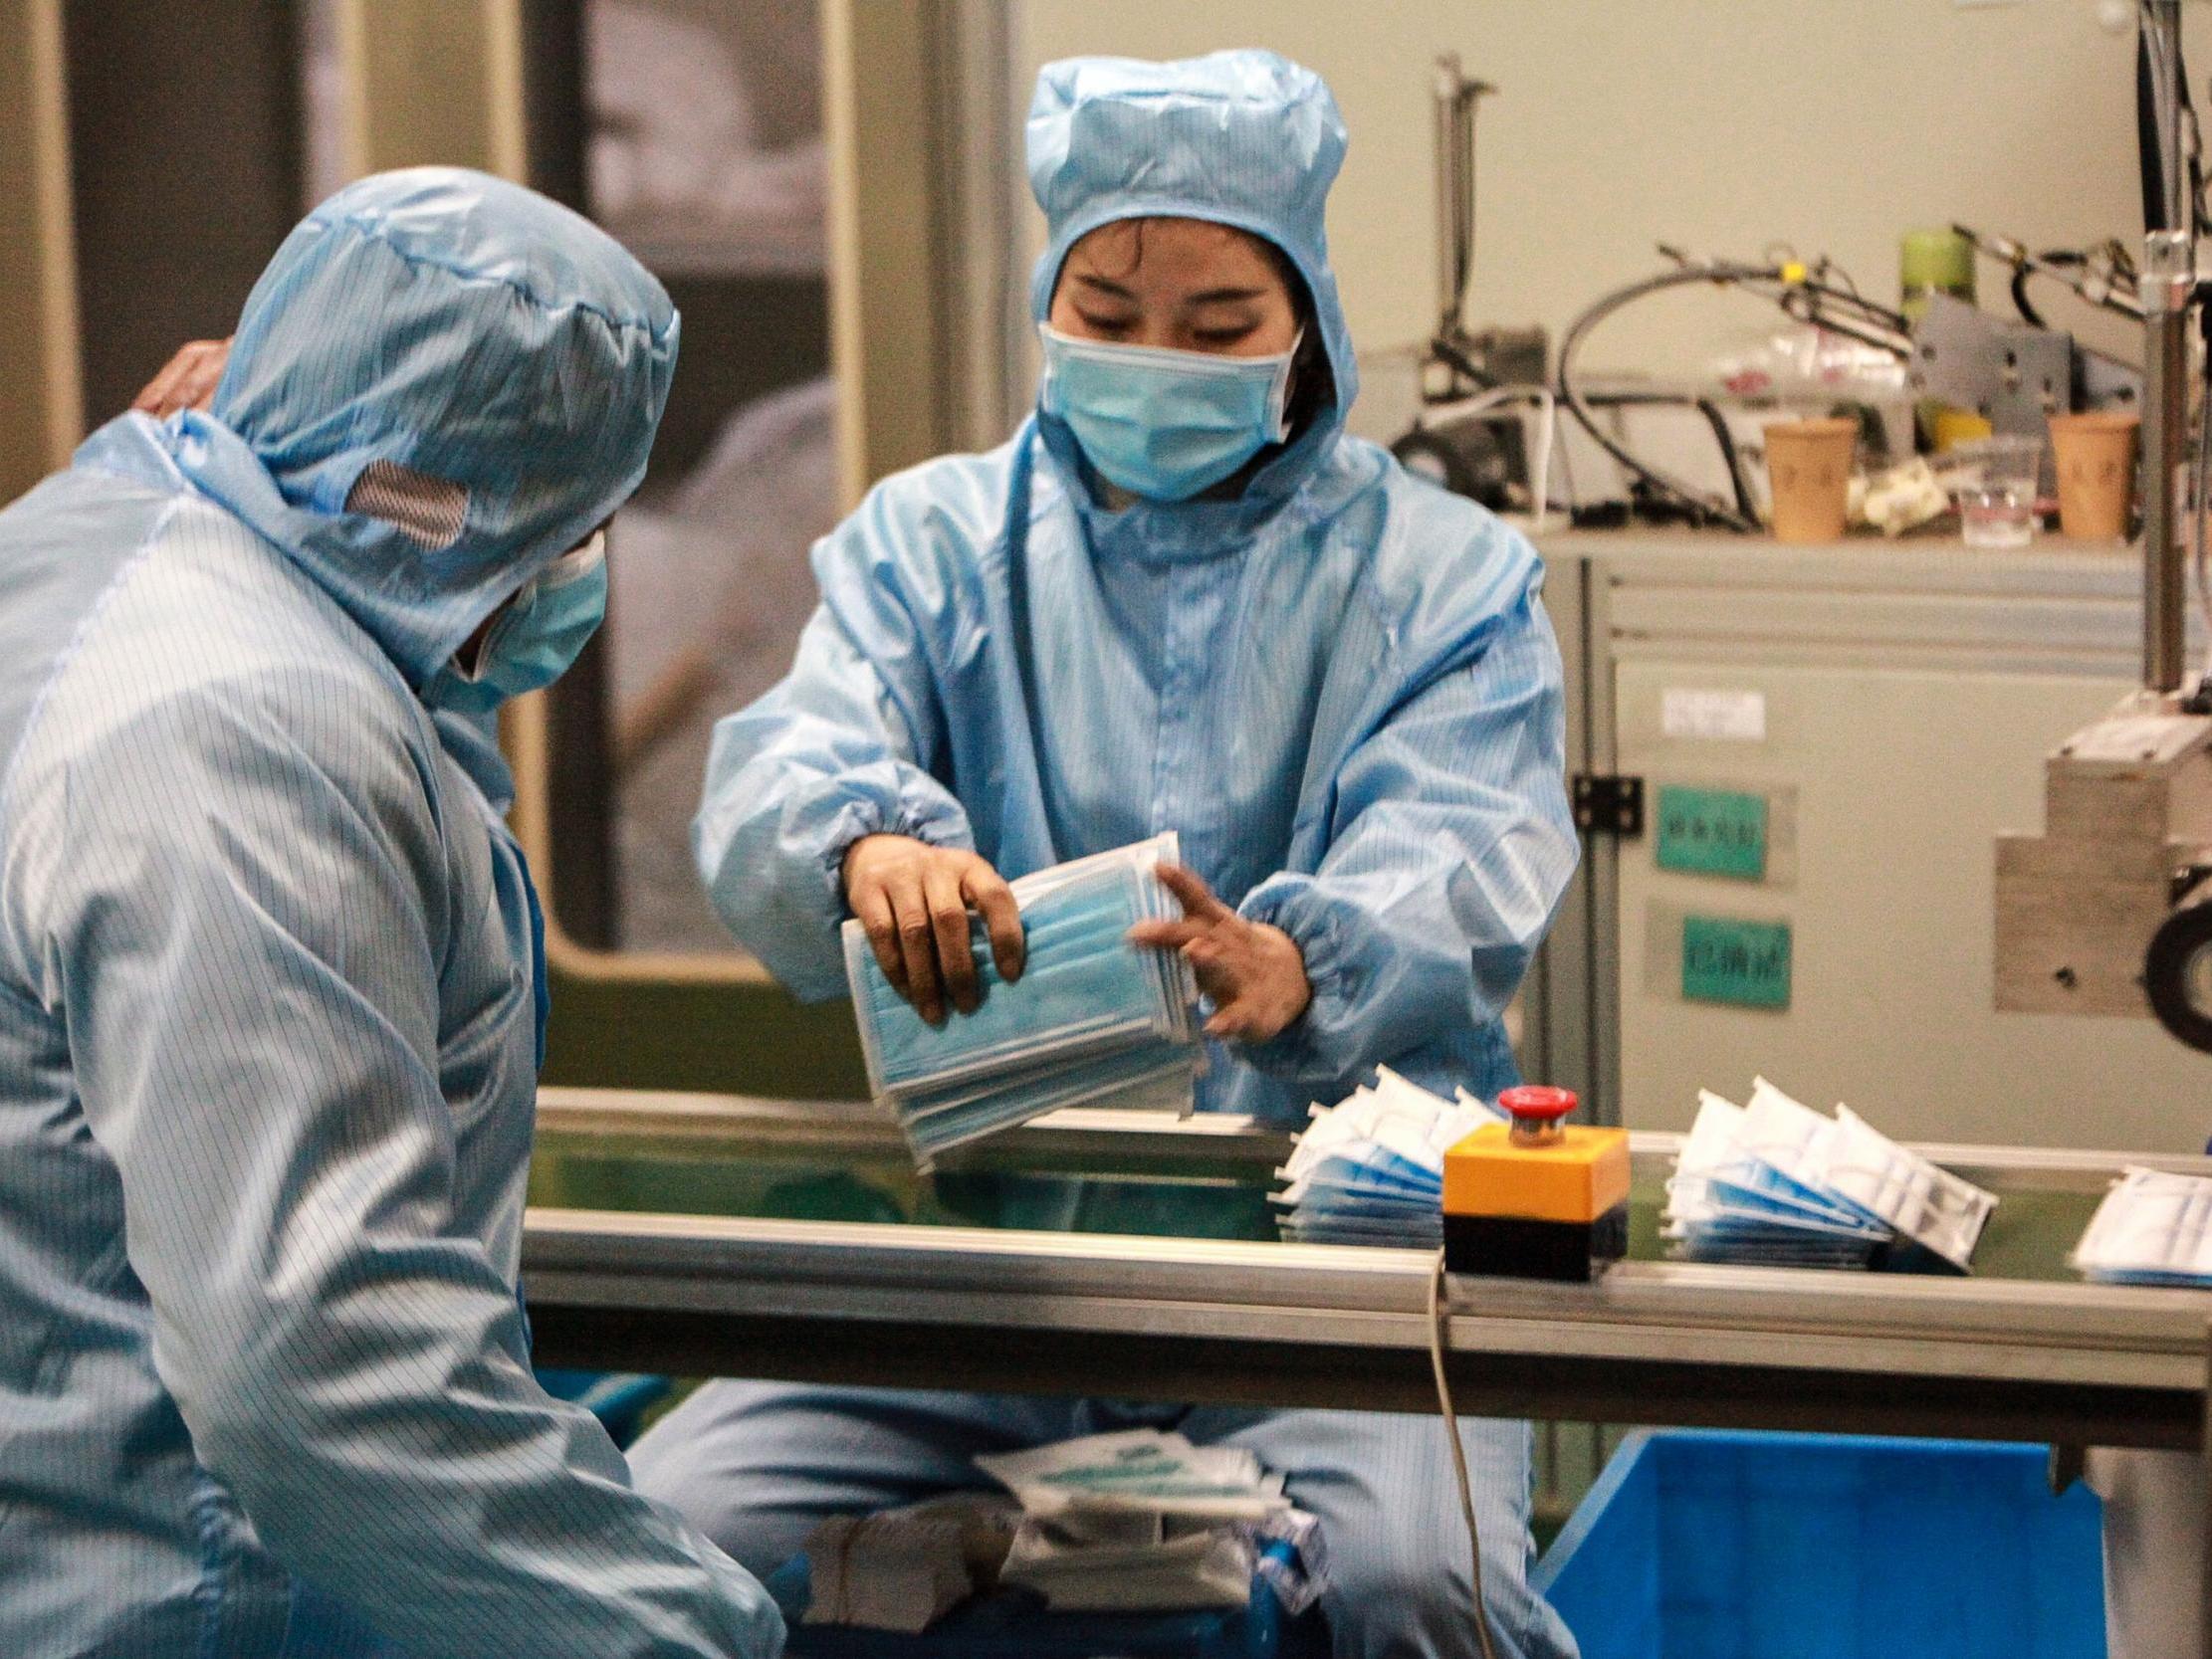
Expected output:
(1720, 126)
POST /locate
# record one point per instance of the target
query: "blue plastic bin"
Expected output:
(1725, 1546)
(1012, 1625)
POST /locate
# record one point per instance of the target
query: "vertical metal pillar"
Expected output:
(2169, 280)
(42, 409)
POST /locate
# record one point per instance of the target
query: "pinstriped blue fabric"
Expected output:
(268, 1011)
(1338, 686)
(1243, 139)
(1350, 713)
(531, 374)
(758, 1464)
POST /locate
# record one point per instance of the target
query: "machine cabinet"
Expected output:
(1828, 742)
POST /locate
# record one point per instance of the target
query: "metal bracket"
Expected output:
(1606, 804)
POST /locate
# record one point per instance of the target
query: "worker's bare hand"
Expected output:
(1255, 973)
(187, 381)
(914, 899)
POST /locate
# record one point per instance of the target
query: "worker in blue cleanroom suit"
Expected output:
(271, 988)
(1182, 597)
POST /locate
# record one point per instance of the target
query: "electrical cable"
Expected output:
(1461, 363)
(1800, 297)
(1847, 312)
(1547, 439)
(1730, 457)
(1436, 1319)
(2102, 275)
(1605, 307)
(1547, 435)
(2161, 62)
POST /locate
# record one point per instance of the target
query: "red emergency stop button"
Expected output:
(1537, 1102)
(1536, 1111)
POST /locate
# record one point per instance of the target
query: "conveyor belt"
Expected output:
(1278, 1324)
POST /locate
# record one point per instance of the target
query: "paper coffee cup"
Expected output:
(2095, 456)
(1809, 471)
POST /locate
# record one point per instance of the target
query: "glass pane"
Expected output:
(1214, 1189)
(705, 156)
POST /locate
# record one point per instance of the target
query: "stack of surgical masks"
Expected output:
(1774, 1183)
(1369, 1169)
(2152, 1228)
(904, 1568)
(1144, 1520)
(1092, 1016)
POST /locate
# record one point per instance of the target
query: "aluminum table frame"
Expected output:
(1265, 1324)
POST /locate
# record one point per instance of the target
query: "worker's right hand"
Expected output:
(187, 381)
(914, 901)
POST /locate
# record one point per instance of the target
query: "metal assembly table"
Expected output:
(1129, 1255)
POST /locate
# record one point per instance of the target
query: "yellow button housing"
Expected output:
(1577, 1178)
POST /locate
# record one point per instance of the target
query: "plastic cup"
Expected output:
(1809, 473)
(1997, 494)
(2095, 455)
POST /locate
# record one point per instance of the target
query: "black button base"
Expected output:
(1512, 1247)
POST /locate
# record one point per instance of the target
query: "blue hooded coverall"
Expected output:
(1337, 685)
(271, 991)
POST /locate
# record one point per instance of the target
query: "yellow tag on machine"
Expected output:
(1535, 1198)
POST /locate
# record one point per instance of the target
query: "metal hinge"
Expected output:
(1609, 805)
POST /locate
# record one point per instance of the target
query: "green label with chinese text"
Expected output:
(1712, 832)
(1742, 963)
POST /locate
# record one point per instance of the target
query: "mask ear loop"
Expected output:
(1278, 395)
(576, 563)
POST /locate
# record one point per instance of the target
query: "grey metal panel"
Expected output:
(1913, 692)
(1285, 1325)
(1122, 1141)
(859, 1129)
(1289, 1325)
(1882, 1324)
(1557, 1045)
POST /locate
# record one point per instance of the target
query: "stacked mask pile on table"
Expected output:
(1090, 1017)
(1144, 1520)
(2151, 1228)
(904, 1568)
(1775, 1184)
(1369, 1169)
(1135, 1522)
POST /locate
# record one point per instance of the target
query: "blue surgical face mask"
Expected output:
(1165, 424)
(1092, 1016)
(542, 630)
(1083, 983)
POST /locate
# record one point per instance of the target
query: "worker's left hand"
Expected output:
(1253, 973)
(187, 381)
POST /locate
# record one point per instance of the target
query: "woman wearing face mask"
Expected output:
(1180, 598)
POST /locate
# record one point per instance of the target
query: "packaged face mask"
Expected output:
(1159, 1077)
(1084, 985)
(1139, 1471)
(1936, 1209)
(1092, 1017)
(1369, 1169)
(1778, 1184)
(2152, 1228)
